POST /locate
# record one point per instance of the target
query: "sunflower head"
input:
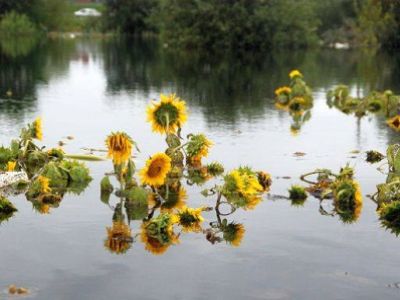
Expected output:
(394, 123)
(295, 73)
(154, 173)
(264, 179)
(119, 147)
(119, 238)
(189, 218)
(242, 188)
(233, 233)
(168, 115)
(347, 198)
(198, 147)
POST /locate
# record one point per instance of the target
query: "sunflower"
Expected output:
(167, 115)
(394, 123)
(119, 146)
(37, 129)
(189, 218)
(295, 73)
(198, 147)
(285, 90)
(156, 169)
(246, 182)
(44, 183)
(11, 166)
(233, 233)
(347, 200)
(158, 235)
(264, 179)
(119, 238)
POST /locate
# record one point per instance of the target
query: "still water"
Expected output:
(88, 88)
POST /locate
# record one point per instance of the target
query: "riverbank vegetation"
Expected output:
(214, 25)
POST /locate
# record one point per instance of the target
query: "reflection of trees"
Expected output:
(228, 87)
(23, 65)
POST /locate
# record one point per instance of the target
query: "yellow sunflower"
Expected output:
(11, 166)
(246, 183)
(119, 238)
(37, 129)
(167, 115)
(44, 183)
(394, 123)
(233, 234)
(189, 218)
(283, 90)
(156, 169)
(348, 200)
(295, 73)
(119, 146)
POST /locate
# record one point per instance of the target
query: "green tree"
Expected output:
(130, 16)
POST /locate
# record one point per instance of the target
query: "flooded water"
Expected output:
(88, 88)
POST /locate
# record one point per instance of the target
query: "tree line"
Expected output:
(231, 24)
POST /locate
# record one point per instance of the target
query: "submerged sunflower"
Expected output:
(119, 238)
(295, 73)
(37, 129)
(348, 200)
(394, 123)
(119, 146)
(167, 115)
(189, 218)
(233, 233)
(156, 169)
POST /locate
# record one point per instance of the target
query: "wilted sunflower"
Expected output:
(389, 215)
(157, 234)
(295, 73)
(189, 218)
(264, 179)
(119, 146)
(156, 169)
(11, 166)
(198, 147)
(37, 129)
(119, 238)
(233, 233)
(394, 123)
(167, 115)
(347, 200)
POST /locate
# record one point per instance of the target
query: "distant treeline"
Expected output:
(231, 24)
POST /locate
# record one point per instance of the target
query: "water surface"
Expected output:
(88, 88)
